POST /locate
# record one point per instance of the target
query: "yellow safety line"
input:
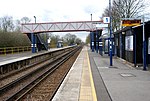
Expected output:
(91, 80)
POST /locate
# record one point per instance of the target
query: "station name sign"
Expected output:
(131, 22)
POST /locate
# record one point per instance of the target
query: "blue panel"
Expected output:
(96, 41)
(92, 41)
(33, 41)
(120, 45)
(144, 55)
(134, 48)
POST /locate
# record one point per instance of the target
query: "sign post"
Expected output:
(110, 49)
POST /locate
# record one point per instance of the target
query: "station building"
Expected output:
(127, 43)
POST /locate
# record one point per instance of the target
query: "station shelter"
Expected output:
(129, 44)
(59, 44)
(104, 44)
(94, 40)
(99, 42)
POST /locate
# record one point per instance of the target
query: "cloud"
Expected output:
(54, 10)
(90, 9)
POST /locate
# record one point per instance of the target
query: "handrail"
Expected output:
(12, 50)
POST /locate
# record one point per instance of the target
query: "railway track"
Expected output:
(26, 86)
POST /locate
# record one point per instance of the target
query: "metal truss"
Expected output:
(59, 26)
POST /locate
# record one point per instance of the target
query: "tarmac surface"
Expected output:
(122, 82)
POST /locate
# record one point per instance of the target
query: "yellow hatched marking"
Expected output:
(91, 79)
(87, 91)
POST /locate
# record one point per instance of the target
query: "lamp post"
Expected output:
(35, 18)
(110, 43)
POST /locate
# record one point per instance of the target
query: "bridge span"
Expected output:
(59, 26)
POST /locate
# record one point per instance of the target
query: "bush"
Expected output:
(13, 39)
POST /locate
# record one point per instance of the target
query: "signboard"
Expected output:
(105, 31)
(129, 43)
(131, 22)
(106, 20)
(102, 25)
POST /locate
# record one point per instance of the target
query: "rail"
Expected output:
(12, 50)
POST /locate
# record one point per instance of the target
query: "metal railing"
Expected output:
(12, 50)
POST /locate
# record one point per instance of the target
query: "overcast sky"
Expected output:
(54, 10)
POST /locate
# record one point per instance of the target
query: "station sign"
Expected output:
(106, 20)
(131, 22)
(102, 25)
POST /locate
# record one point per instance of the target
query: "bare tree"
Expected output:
(25, 20)
(7, 23)
(129, 8)
(54, 39)
(70, 38)
(17, 26)
(78, 41)
(125, 9)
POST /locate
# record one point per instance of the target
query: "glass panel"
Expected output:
(106, 45)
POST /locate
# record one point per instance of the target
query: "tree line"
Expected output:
(68, 39)
(10, 32)
(11, 36)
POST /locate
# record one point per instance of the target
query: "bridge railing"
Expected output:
(12, 50)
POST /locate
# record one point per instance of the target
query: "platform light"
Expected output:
(35, 18)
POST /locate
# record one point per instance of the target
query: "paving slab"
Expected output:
(78, 84)
(70, 88)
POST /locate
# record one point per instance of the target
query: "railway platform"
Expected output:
(9, 58)
(14, 62)
(91, 79)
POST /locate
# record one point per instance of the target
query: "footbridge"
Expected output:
(33, 30)
(59, 26)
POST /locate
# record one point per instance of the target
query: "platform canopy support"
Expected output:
(33, 42)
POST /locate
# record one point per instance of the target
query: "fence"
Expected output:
(12, 50)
